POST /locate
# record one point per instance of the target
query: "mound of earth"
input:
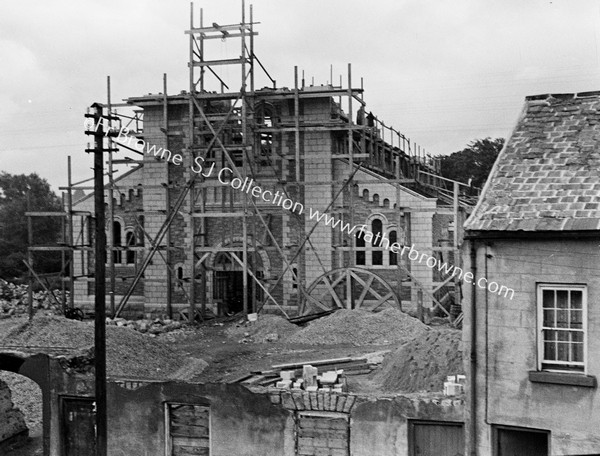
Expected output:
(128, 353)
(268, 328)
(423, 363)
(360, 327)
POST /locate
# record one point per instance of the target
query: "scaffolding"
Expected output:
(237, 129)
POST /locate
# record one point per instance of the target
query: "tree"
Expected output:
(474, 163)
(15, 190)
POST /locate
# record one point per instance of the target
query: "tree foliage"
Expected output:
(15, 191)
(474, 163)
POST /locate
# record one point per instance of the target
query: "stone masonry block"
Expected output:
(341, 402)
(349, 403)
(287, 401)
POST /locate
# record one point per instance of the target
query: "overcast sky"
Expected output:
(442, 72)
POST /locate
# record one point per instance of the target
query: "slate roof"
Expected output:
(547, 176)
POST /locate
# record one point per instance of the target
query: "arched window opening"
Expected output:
(360, 254)
(130, 242)
(117, 241)
(377, 230)
(140, 231)
(295, 277)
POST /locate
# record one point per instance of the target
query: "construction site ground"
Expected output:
(413, 357)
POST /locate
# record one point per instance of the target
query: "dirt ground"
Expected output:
(224, 349)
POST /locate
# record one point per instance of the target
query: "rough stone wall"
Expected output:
(12, 421)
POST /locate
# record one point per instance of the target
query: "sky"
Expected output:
(443, 73)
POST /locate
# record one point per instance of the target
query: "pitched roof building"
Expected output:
(532, 354)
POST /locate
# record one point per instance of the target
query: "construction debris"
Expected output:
(14, 300)
(454, 385)
(305, 374)
(422, 364)
(267, 328)
(152, 326)
(360, 327)
(128, 353)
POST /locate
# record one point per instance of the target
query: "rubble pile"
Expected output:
(361, 327)
(128, 353)
(152, 327)
(423, 363)
(267, 328)
(14, 299)
(26, 396)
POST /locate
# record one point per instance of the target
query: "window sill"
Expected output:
(563, 378)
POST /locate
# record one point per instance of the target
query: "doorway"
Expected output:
(436, 438)
(228, 283)
(510, 441)
(78, 425)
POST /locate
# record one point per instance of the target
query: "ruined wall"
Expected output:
(272, 422)
(241, 423)
(510, 351)
(12, 421)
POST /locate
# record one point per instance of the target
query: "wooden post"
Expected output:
(30, 257)
(111, 212)
(420, 304)
(192, 223)
(245, 144)
(70, 234)
(168, 201)
(457, 263)
(100, 286)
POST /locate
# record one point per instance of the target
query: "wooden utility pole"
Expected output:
(99, 281)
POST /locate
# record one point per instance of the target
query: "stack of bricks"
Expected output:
(12, 422)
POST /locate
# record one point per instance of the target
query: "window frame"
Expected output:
(542, 363)
(366, 252)
(167, 424)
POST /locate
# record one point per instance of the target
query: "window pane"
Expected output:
(562, 299)
(563, 351)
(549, 335)
(549, 318)
(577, 352)
(562, 319)
(548, 299)
(360, 243)
(577, 319)
(393, 258)
(550, 351)
(577, 336)
(378, 258)
(376, 228)
(576, 299)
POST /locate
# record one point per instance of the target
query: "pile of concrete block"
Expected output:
(454, 385)
(329, 381)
